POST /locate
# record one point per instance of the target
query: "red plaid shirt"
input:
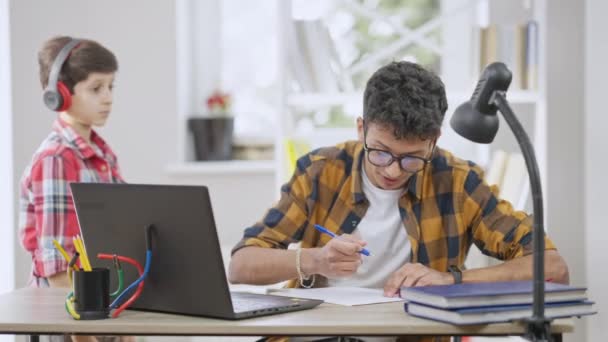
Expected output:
(46, 209)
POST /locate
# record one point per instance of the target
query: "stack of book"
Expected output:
(482, 303)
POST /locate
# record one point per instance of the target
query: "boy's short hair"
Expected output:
(406, 98)
(87, 57)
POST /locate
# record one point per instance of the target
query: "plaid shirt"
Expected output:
(446, 207)
(46, 206)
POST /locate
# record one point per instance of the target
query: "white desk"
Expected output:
(41, 311)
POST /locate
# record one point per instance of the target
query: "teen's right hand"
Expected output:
(340, 257)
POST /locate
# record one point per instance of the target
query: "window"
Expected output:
(340, 44)
(333, 47)
(249, 63)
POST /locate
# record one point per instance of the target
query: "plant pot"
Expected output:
(212, 137)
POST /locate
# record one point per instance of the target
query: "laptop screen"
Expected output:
(187, 273)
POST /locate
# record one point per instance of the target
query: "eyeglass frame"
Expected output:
(394, 158)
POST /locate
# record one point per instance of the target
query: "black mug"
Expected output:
(92, 293)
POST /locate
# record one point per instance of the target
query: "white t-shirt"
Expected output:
(382, 228)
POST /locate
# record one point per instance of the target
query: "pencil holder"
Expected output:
(92, 293)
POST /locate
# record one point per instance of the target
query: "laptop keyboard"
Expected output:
(243, 302)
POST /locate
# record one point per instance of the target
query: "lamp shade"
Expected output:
(476, 119)
(474, 125)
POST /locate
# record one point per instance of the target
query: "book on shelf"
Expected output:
(294, 149)
(531, 80)
(515, 183)
(299, 63)
(253, 148)
(508, 172)
(515, 45)
(489, 294)
(500, 313)
(496, 168)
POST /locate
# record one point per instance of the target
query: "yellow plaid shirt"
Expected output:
(446, 207)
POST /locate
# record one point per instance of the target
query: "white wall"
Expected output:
(144, 123)
(565, 107)
(6, 156)
(238, 200)
(595, 166)
(142, 126)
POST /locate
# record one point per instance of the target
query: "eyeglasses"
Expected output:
(408, 163)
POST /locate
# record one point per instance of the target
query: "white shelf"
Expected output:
(313, 101)
(228, 167)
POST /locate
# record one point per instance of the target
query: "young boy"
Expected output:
(77, 76)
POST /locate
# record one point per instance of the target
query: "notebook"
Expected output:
(488, 294)
(495, 314)
(348, 296)
(187, 273)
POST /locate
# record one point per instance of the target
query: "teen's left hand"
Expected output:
(415, 275)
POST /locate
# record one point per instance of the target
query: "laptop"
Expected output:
(187, 272)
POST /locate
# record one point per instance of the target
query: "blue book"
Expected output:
(496, 314)
(489, 294)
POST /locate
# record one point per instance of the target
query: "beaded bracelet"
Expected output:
(301, 275)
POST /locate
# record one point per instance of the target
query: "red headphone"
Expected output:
(56, 95)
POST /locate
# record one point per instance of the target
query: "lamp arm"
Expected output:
(538, 325)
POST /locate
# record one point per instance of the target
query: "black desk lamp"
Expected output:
(477, 121)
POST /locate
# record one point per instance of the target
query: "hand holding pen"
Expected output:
(330, 233)
(340, 257)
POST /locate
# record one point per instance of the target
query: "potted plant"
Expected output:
(213, 134)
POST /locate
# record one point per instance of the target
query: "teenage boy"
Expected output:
(413, 205)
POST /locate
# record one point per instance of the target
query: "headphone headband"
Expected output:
(62, 56)
(56, 95)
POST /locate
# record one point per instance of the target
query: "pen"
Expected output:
(62, 252)
(325, 231)
(83, 253)
(79, 252)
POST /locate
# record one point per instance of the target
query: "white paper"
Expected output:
(348, 296)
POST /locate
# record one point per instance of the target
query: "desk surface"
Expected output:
(39, 311)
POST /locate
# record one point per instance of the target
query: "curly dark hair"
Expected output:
(406, 98)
